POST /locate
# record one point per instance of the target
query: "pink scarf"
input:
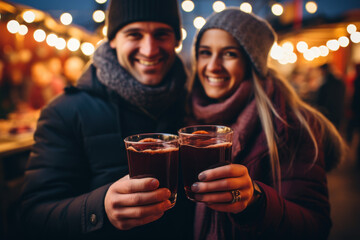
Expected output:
(237, 111)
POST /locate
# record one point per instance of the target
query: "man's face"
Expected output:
(146, 50)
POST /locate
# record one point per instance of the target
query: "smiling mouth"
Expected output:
(216, 79)
(149, 63)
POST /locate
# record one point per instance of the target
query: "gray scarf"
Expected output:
(153, 100)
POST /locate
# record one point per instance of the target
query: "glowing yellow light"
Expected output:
(23, 30)
(246, 7)
(199, 22)
(324, 50)
(13, 26)
(292, 58)
(73, 44)
(333, 45)
(355, 37)
(343, 41)
(302, 46)
(101, 1)
(60, 44)
(276, 52)
(28, 16)
(39, 35)
(315, 51)
(309, 55)
(187, 5)
(311, 7)
(99, 16)
(104, 30)
(66, 18)
(179, 48)
(288, 46)
(87, 48)
(183, 33)
(219, 6)
(277, 9)
(351, 28)
(51, 39)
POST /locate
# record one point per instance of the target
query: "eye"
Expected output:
(231, 54)
(163, 35)
(204, 52)
(134, 35)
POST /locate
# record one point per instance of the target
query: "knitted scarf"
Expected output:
(237, 111)
(153, 100)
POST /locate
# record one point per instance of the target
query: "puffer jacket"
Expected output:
(79, 152)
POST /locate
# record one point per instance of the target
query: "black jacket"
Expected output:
(79, 152)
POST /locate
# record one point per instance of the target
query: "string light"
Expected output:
(311, 7)
(343, 41)
(101, 1)
(66, 18)
(246, 7)
(188, 5)
(60, 44)
(39, 35)
(28, 16)
(183, 33)
(13, 26)
(355, 37)
(23, 30)
(277, 9)
(99, 16)
(51, 39)
(333, 45)
(351, 28)
(302, 46)
(199, 22)
(218, 6)
(87, 48)
(73, 44)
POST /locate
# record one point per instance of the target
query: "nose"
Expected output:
(149, 47)
(214, 64)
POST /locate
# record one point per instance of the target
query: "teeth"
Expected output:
(216, 80)
(148, 63)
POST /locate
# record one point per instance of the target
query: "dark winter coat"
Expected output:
(79, 152)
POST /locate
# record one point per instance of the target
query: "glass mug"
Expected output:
(154, 155)
(203, 147)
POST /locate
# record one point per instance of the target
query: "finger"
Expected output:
(231, 170)
(221, 185)
(141, 198)
(131, 223)
(142, 211)
(129, 185)
(221, 197)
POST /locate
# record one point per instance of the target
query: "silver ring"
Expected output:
(236, 196)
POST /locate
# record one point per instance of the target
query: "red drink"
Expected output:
(194, 160)
(156, 156)
(201, 148)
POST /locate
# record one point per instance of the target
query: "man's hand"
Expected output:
(134, 202)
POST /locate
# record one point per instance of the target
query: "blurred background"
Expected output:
(44, 46)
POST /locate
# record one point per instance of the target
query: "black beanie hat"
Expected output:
(253, 33)
(123, 12)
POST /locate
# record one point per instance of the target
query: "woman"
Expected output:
(276, 186)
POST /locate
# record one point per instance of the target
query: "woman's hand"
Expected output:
(216, 186)
(134, 202)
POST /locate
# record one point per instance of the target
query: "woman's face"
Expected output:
(221, 64)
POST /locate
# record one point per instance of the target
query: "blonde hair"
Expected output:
(328, 133)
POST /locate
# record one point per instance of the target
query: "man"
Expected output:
(76, 183)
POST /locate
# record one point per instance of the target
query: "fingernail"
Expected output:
(195, 187)
(202, 176)
(154, 183)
